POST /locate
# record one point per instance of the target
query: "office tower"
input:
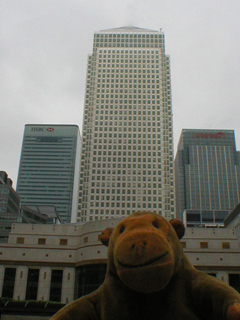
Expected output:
(9, 206)
(127, 149)
(49, 168)
(207, 176)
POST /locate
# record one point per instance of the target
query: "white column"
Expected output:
(20, 283)
(68, 285)
(44, 283)
(223, 276)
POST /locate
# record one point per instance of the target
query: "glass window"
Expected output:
(207, 216)
(203, 245)
(56, 285)
(20, 240)
(183, 244)
(89, 278)
(220, 215)
(32, 284)
(234, 281)
(41, 241)
(8, 283)
(193, 217)
(63, 242)
(226, 245)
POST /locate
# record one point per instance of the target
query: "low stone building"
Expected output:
(64, 262)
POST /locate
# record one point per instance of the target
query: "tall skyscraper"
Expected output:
(49, 168)
(207, 176)
(127, 149)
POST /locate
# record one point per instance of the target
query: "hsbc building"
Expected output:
(49, 168)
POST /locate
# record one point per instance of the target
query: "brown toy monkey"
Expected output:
(149, 277)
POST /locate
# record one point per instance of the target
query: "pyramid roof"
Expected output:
(129, 29)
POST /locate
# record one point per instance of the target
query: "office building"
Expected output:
(207, 176)
(127, 148)
(9, 206)
(49, 168)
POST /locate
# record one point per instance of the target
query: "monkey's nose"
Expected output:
(139, 247)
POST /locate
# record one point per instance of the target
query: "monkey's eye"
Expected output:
(122, 229)
(155, 224)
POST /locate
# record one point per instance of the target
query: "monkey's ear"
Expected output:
(178, 226)
(105, 236)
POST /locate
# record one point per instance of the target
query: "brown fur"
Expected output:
(149, 277)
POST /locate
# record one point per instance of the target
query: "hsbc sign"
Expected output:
(41, 129)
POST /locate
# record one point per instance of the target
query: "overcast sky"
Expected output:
(43, 57)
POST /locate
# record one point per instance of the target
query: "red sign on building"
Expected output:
(202, 135)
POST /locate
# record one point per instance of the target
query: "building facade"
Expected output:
(64, 262)
(9, 206)
(207, 176)
(127, 148)
(49, 168)
(40, 214)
